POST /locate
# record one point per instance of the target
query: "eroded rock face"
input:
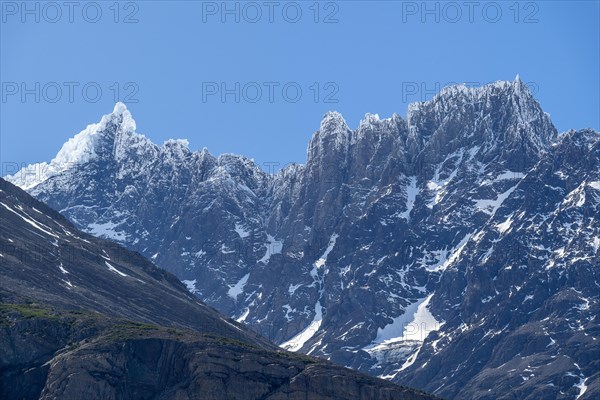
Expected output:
(81, 318)
(448, 211)
(525, 290)
(52, 354)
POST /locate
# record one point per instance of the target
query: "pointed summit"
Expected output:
(332, 137)
(121, 117)
(520, 86)
(521, 89)
(120, 108)
(369, 120)
(502, 117)
(333, 121)
(114, 134)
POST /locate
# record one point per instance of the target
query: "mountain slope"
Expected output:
(353, 256)
(81, 317)
(521, 301)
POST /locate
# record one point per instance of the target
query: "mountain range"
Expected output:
(456, 250)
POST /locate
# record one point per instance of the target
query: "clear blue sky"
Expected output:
(372, 56)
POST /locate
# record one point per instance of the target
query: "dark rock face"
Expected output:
(386, 249)
(525, 289)
(82, 318)
(72, 355)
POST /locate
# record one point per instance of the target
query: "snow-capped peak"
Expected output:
(369, 120)
(333, 135)
(458, 96)
(333, 121)
(520, 87)
(78, 150)
(119, 108)
(120, 116)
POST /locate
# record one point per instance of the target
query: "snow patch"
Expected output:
(200, 253)
(273, 246)
(439, 187)
(581, 386)
(411, 360)
(288, 309)
(298, 341)
(414, 324)
(505, 226)
(596, 243)
(292, 289)
(225, 249)
(191, 286)
(241, 231)
(113, 269)
(491, 206)
(323, 259)
(411, 195)
(238, 288)
(506, 175)
(576, 198)
(106, 230)
(243, 317)
(445, 261)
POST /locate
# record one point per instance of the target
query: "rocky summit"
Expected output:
(456, 250)
(83, 318)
